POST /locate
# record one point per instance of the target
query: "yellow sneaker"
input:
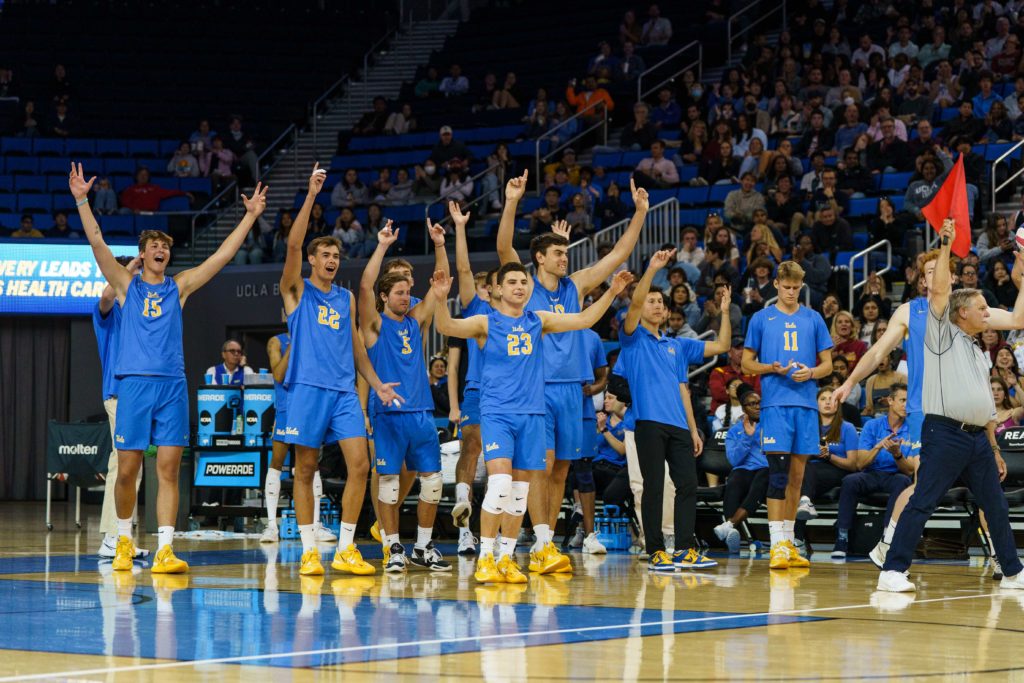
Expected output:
(123, 555)
(375, 532)
(487, 570)
(166, 562)
(554, 561)
(779, 557)
(511, 571)
(795, 558)
(351, 561)
(310, 563)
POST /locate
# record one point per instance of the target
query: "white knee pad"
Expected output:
(387, 490)
(430, 488)
(318, 485)
(520, 492)
(499, 493)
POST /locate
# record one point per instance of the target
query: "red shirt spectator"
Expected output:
(144, 195)
(719, 378)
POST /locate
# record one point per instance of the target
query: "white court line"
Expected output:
(465, 639)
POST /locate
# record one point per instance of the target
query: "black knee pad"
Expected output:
(778, 475)
(583, 474)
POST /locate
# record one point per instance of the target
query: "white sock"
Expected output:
(543, 532)
(165, 534)
(727, 524)
(508, 547)
(124, 527)
(462, 493)
(308, 535)
(889, 531)
(423, 534)
(486, 546)
(347, 536)
(775, 530)
(272, 493)
(390, 540)
(789, 529)
(318, 489)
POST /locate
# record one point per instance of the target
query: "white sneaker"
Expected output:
(730, 535)
(271, 534)
(324, 535)
(577, 540)
(897, 582)
(467, 543)
(108, 548)
(461, 512)
(593, 546)
(1014, 582)
(806, 509)
(878, 553)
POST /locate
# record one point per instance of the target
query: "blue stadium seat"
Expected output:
(718, 193)
(528, 148)
(860, 240)
(18, 165)
(120, 182)
(56, 166)
(16, 146)
(34, 203)
(2, 165)
(174, 204)
(529, 204)
(64, 201)
(6, 183)
(607, 159)
(894, 181)
(897, 202)
(118, 224)
(659, 196)
(198, 185)
(692, 196)
(75, 148)
(8, 203)
(57, 184)
(168, 148)
(863, 207)
(166, 182)
(29, 183)
(688, 172)
(75, 221)
(693, 216)
(116, 166)
(996, 150)
(9, 221)
(843, 258)
(154, 164)
(631, 159)
(112, 148)
(52, 147)
(144, 148)
(149, 222)
(949, 113)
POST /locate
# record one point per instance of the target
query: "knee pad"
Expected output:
(430, 488)
(778, 475)
(499, 493)
(387, 489)
(583, 473)
(318, 485)
(517, 504)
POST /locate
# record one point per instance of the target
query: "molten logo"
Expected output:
(81, 449)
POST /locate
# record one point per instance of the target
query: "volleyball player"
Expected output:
(788, 344)
(326, 352)
(152, 397)
(512, 407)
(557, 292)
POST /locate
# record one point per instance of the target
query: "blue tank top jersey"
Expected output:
(475, 307)
(107, 328)
(150, 338)
(512, 373)
(562, 362)
(397, 356)
(800, 337)
(913, 346)
(320, 328)
(280, 396)
(593, 358)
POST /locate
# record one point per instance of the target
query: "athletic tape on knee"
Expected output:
(520, 492)
(583, 475)
(318, 485)
(778, 475)
(499, 493)
(430, 488)
(387, 489)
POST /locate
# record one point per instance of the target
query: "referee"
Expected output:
(958, 434)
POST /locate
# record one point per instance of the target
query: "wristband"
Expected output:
(604, 431)
(85, 200)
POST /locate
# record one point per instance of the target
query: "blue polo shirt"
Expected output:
(628, 421)
(605, 451)
(848, 441)
(654, 369)
(744, 450)
(593, 359)
(875, 430)
(691, 352)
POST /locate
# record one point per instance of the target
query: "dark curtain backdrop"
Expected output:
(34, 378)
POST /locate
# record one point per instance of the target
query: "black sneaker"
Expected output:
(840, 549)
(396, 561)
(430, 558)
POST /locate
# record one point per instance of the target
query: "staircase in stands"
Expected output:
(407, 51)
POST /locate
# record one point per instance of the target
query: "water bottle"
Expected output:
(748, 290)
(238, 424)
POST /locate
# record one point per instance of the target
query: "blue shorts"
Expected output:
(405, 437)
(517, 437)
(326, 416)
(470, 408)
(914, 422)
(151, 410)
(789, 429)
(280, 413)
(563, 420)
(590, 437)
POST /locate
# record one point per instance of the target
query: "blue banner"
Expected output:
(52, 279)
(236, 470)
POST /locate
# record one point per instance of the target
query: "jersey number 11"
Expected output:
(790, 342)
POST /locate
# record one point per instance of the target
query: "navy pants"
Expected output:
(946, 454)
(861, 484)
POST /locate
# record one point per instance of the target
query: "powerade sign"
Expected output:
(236, 470)
(259, 412)
(52, 279)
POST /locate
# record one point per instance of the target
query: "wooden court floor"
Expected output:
(243, 613)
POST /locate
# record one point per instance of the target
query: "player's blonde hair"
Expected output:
(790, 271)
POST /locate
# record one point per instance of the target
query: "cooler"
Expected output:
(258, 414)
(219, 408)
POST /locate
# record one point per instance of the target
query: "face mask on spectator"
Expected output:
(696, 92)
(429, 170)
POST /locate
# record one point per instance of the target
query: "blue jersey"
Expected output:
(150, 338)
(280, 395)
(397, 356)
(744, 450)
(877, 429)
(690, 352)
(654, 371)
(321, 330)
(475, 307)
(512, 373)
(605, 451)
(913, 346)
(562, 351)
(107, 328)
(593, 357)
(848, 441)
(800, 337)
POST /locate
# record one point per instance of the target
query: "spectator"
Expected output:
(995, 44)
(761, 234)
(714, 263)
(550, 211)
(838, 453)
(845, 89)
(1008, 409)
(969, 280)
(427, 182)
(280, 243)
(936, 50)
(62, 125)
(747, 484)
(759, 287)
(861, 57)
(429, 85)
(457, 186)
(656, 172)
(719, 378)
(317, 223)
(630, 29)
(667, 277)
(373, 122)
(691, 253)
(878, 386)
(882, 113)
(509, 96)
(251, 250)
(965, 125)
(579, 219)
(841, 367)
(29, 124)
(631, 65)
(449, 152)
(852, 126)
(8, 86)
(485, 98)
(183, 164)
(657, 30)
(611, 210)
(853, 179)
(995, 242)
(232, 369)
(1012, 101)
(350, 232)
(728, 413)
(754, 156)
(1006, 368)
(678, 327)
(350, 191)
(986, 97)
(538, 114)
(642, 133)
(683, 300)
(811, 181)
(890, 154)
(399, 192)
(816, 267)
(920, 192)
(998, 126)
(566, 125)
(588, 99)
(816, 137)
(202, 138)
(846, 338)
(722, 168)
(104, 199)
(27, 228)
(828, 193)
(715, 232)
(379, 187)
(991, 342)
(438, 377)
(144, 196)
(218, 163)
(60, 228)
(829, 233)
(915, 105)
(925, 140)
(785, 210)
(691, 150)
(454, 84)
(740, 204)
(61, 88)
(712, 317)
(869, 311)
(603, 57)
(400, 122)
(668, 114)
(242, 146)
(568, 162)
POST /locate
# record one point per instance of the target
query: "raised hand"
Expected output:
(621, 281)
(726, 298)
(134, 266)
(386, 235)
(436, 232)
(561, 228)
(640, 198)
(515, 188)
(78, 184)
(662, 258)
(460, 219)
(441, 284)
(948, 232)
(602, 420)
(258, 202)
(316, 179)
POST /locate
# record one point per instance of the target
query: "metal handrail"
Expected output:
(714, 359)
(445, 200)
(864, 254)
(699, 63)
(205, 211)
(1008, 180)
(738, 13)
(547, 134)
(804, 289)
(315, 108)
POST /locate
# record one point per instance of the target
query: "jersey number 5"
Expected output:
(151, 308)
(790, 341)
(328, 317)
(520, 344)
(406, 349)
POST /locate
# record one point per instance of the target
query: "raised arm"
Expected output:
(636, 305)
(369, 317)
(1011, 320)
(473, 327)
(385, 391)
(942, 282)
(587, 279)
(565, 322)
(893, 336)
(515, 188)
(192, 279)
(436, 232)
(467, 285)
(117, 276)
(291, 277)
(724, 341)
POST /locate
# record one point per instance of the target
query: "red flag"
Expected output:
(951, 202)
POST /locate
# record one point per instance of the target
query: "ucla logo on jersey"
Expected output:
(381, 462)
(291, 431)
(518, 328)
(671, 350)
(119, 439)
(790, 326)
(493, 446)
(767, 440)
